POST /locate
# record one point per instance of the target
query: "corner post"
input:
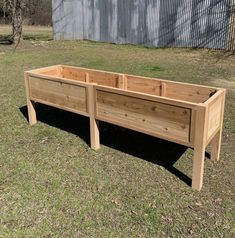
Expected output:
(30, 104)
(94, 124)
(216, 141)
(199, 147)
(122, 82)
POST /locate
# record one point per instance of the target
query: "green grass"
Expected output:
(53, 185)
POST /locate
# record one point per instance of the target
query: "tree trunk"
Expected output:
(17, 22)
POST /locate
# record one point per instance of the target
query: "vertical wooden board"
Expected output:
(191, 93)
(144, 85)
(231, 28)
(216, 139)
(143, 115)
(163, 89)
(192, 127)
(214, 117)
(60, 94)
(87, 78)
(122, 81)
(199, 147)
(30, 104)
(94, 124)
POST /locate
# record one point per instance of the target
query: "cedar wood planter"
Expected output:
(186, 114)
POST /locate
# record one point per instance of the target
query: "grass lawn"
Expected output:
(53, 185)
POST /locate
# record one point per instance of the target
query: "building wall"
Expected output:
(160, 23)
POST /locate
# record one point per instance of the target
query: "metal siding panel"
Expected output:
(178, 23)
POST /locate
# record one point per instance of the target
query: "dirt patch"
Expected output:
(228, 84)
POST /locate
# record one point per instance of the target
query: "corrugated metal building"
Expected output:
(160, 23)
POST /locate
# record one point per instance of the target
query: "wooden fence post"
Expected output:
(231, 30)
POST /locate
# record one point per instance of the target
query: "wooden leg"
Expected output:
(199, 148)
(94, 134)
(198, 167)
(215, 146)
(94, 124)
(31, 112)
(30, 104)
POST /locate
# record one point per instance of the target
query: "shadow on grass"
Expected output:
(38, 37)
(146, 147)
(5, 40)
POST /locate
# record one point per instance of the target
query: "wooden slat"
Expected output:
(69, 109)
(138, 84)
(122, 82)
(87, 78)
(146, 96)
(216, 141)
(192, 93)
(163, 89)
(193, 125)
(145, 115)
(44, 69)
(63, 94)
(214, 117)
(58, 79)
(73, 73)
(52, 72)
(105, 79)
(101, 78)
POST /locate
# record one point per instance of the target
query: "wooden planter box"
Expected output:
(187, 114)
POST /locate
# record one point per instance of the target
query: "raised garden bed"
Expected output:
(187, 114)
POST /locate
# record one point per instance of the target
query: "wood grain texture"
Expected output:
(122, 82)
(73, 73)
(191, 93)
(30, 104)
(199, 148)
(163, 89)
(214, 116)
(45, 69)
(149, 86)
(51, 71)
(145, 115)
(94, 124)
(61, 94)
(106, 79)
(216, 141)
(191, 115)
(95, 76)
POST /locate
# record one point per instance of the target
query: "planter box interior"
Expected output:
(188, 114)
